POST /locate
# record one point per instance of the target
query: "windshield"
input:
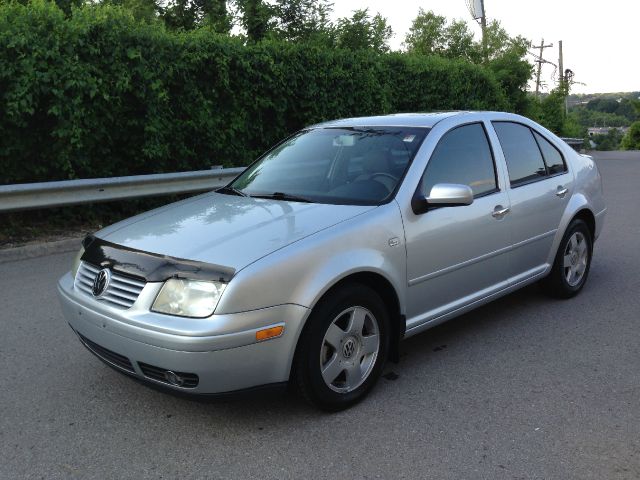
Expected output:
(358, 166)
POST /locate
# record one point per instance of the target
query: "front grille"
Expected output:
(186, 380)
(122, 291)
(107, 355)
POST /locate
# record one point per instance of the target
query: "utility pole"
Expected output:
(540, 61)
(476, 9)
(564, 84)
(560, 65)
(483, 25)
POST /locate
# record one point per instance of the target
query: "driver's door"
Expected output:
(456, 255)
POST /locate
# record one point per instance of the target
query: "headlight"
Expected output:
(188, 298)
(76, 263)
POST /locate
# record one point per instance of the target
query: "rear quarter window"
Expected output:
(552, 156)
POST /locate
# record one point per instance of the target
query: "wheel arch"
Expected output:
(589, 218)
(556, 284)
(389, 295)
(578, 207)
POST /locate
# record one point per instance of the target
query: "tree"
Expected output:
(608, 105)
(217, 16)
(506, 58)
(631, 139)
(552, 111)
(500, 43)
(64, 5)
(572, 127)
(594, 118)
(190, 14)
(302, 20)
(257, 18)
(459, 41)
(363, 32)
(609, 141)
(627, 110)
(67, 5)
(614, 105)
(427, 34)
(432, 34)
(146, 10)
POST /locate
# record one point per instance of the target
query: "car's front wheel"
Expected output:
(343, 347)
(573, 260)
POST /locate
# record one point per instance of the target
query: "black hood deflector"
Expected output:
(152, 267)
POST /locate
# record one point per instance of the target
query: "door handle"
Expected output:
(500, 211)
(561, 191)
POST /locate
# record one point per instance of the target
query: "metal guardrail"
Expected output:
(575, 143)
(27, 196)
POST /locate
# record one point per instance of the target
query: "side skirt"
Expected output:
(435, 317)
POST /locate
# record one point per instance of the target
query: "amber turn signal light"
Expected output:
(268, 333)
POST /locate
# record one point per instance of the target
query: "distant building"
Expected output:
(604, 130)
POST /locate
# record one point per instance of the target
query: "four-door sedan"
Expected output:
(340, 241)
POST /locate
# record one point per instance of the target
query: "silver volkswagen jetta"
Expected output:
(340, 241)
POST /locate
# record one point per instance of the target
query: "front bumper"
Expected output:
(145, 348)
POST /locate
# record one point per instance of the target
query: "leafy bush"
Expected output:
(608, 141)
(631, 139)
(101, 94)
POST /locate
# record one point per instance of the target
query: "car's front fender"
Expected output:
(302, 272)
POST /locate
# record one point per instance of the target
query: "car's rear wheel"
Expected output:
(343, 348)
(573, 260)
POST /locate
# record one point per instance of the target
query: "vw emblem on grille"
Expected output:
(101, 282)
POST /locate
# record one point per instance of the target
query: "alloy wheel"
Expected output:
(349, 349)
(576, 259)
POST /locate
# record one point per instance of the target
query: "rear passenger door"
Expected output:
(539, 189)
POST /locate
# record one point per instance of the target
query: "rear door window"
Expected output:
(524, 160)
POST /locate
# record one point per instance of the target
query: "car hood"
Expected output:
(226, 230)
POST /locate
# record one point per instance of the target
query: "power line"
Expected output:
(540, 61)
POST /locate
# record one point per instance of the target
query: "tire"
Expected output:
(343, 348)
(571, 265)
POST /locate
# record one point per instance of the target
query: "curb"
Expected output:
(39, 249)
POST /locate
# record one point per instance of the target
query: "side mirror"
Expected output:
(442, 195)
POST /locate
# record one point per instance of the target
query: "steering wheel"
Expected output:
(383, 174)
(388, 180)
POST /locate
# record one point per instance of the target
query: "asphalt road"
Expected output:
(524, 388)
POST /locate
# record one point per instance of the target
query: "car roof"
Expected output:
(393, 120)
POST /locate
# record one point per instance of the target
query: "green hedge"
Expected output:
(99, 94)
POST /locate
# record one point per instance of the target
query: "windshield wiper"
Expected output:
(283, 196)
(232, 191)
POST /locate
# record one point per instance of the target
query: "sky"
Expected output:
(599, 38)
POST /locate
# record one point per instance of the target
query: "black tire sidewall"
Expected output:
(309, 377)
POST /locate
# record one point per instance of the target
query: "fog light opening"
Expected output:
(173, 378)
